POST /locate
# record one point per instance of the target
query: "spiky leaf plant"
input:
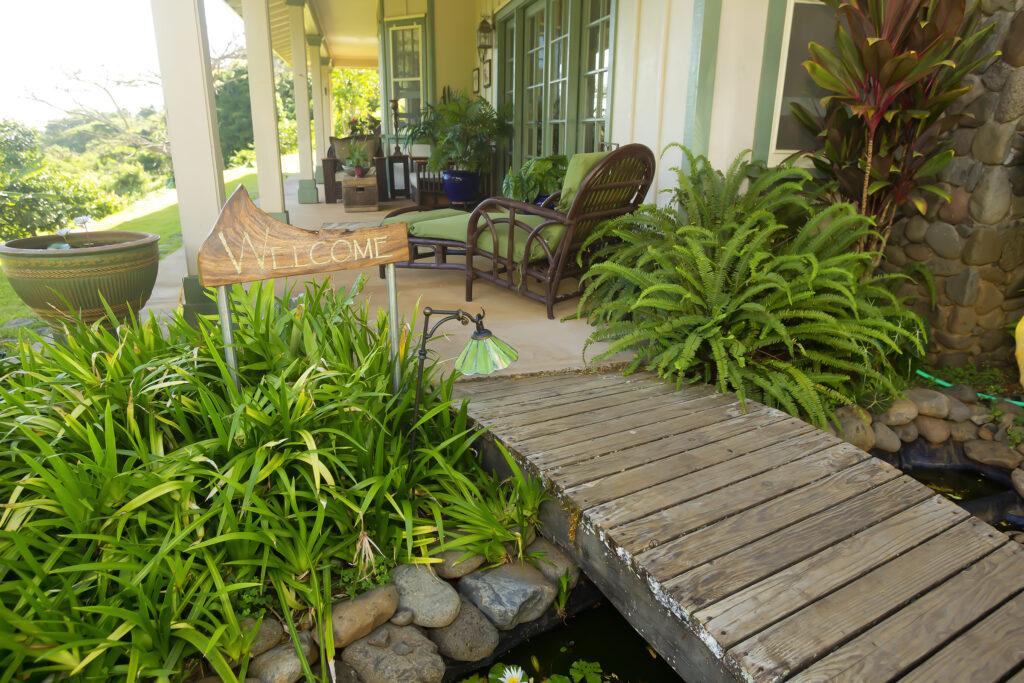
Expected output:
(716, 288)
(145, 502)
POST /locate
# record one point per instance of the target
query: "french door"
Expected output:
(555, 67)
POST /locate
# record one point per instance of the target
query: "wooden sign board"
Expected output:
(248, 244)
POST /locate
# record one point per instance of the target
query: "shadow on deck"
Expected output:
(753, 546)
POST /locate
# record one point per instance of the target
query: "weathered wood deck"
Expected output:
(752, 546)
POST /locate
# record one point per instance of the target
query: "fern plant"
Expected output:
(716, 288)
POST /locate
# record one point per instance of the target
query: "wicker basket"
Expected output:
(359, 194)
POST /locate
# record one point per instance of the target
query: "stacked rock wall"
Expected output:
(974, 246)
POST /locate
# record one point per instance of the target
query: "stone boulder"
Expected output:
(281, 664)
(853, 430)
(993, 453)
(395, 653)
(885, 438)
(454, 564)
(901, 412)
(356, 617)
(269, 634)
(509, 595)
(963, 431)
(907, 433)
(433, 602)
(470, 638)
(552, 562)
(1017, 477)
(933, 429)
(958, 410)
(929, 402)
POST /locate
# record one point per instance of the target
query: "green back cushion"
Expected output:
(414, 217)
(579, 166)
(455, 227)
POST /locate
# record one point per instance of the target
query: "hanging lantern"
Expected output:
(484, 39)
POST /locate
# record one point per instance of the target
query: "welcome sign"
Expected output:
(248, 244)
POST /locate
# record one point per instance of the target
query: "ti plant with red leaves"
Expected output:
(897, 67)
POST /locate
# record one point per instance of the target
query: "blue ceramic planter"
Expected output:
(460, 186)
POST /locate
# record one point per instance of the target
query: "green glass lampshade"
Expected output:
(485, 354)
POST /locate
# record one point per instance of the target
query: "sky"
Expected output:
(44, 41)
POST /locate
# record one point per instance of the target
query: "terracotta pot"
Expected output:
(113, 266)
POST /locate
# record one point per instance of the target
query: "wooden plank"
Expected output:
(988, 651)
(771, 599)
(895, 645)
(711, 582)
(677, 556)
(615, 435)
(689, 444)
(793, 643)
(650, 614)
(631, 410)
(572, 404)
(643, 522)
(498, 404)
(765, 444)
(501, 388)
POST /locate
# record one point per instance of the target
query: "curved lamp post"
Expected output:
(483, 355)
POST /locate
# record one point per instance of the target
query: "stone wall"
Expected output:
(974, 246)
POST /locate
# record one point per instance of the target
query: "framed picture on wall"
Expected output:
(476, 81)
(487, 73)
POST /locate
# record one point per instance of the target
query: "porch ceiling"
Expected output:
(349, 28)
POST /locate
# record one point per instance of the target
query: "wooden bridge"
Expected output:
(752, 546)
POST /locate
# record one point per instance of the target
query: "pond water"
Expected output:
(599, 634)
(993, 501)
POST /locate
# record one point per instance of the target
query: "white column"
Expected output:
(184, 56)
(263, 103)
(317, 76)
(300, 79)
(325, 65)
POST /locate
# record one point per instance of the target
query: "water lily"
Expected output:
(82, 221)
(513, 674)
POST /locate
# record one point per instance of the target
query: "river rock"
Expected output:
(907, 433)
(933, 429)
(993, 453)
(963, 393)
(403, 617)
(929, 402)
(455, 564)
(281, 664)
(963, 431)
(470, 638)
(395, 653)
(1017, 477)
(509, 595)
(552, 562)
(269, 634)
(944, 239)
(433, 602)
(885, 438)
(356, 617)
(853, 430)
(1011, 103)
(958, 410)
(1013, 46)
(901, 412)
(991, 199)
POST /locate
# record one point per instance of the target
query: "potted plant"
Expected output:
(77, 274)
(358, 161)
(461, 132)
(536, 180)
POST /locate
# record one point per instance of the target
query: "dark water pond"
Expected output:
(599, 634)
(957, 485)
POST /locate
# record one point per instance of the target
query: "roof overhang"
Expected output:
(349, 29)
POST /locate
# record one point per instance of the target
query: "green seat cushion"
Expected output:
(579, 166)
(414, 217)
(454, 228)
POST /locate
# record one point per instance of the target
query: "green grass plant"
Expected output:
(146, 503)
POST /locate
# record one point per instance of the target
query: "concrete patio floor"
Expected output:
(543, 345)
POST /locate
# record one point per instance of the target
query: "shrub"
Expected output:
(715, 288)
(149, 503)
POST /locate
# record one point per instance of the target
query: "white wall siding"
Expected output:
(653, 40)
(737, 78)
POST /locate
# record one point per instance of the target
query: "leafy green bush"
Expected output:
(148, 502)
(461, 131)
(538, 177)
(716, 288)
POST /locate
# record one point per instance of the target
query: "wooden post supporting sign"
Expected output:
(248, 245)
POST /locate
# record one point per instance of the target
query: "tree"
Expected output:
(356, 100)
(36, 195)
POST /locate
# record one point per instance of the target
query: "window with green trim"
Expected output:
(406, 68)
(555, 61)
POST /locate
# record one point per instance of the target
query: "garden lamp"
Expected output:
(483, 355)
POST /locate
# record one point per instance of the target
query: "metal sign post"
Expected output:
(248, 245)
(224, 311)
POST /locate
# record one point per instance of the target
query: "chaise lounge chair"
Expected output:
(521, 241)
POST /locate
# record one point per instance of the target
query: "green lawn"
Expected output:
(147, 215)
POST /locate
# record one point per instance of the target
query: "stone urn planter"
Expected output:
(59, 284)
